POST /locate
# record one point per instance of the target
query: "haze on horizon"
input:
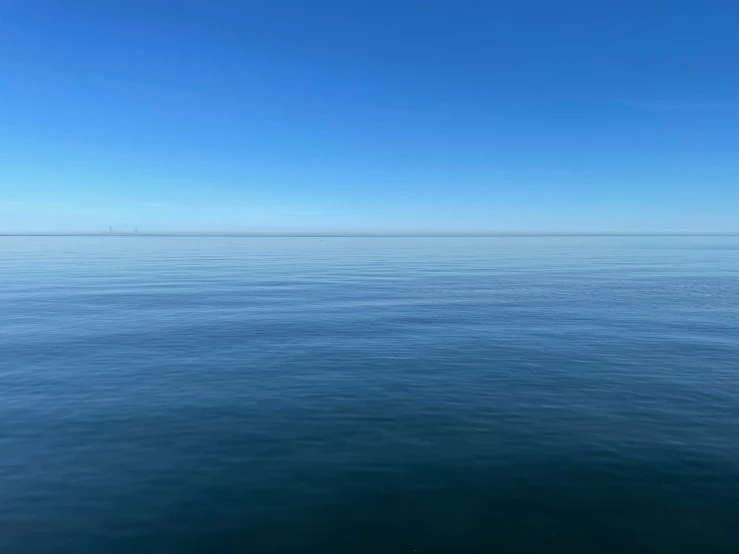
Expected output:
(387, 116)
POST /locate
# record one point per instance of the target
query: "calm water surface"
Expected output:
(388, 395)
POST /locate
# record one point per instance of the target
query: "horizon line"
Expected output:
(318, 234)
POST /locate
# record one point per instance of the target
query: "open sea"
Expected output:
(369, 395)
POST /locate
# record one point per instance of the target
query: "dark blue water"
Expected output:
(387, 395)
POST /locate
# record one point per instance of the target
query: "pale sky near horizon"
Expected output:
(380, 115)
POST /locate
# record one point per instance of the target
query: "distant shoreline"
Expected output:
(369, 235)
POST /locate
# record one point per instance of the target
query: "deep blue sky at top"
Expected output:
(574, 115)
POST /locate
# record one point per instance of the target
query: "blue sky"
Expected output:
(379, 115)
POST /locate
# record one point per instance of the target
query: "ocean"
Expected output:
(369, 395)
